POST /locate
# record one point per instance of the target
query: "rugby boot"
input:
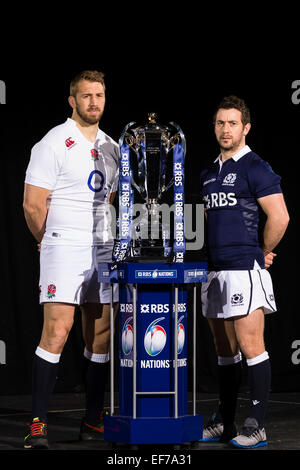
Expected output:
(37, 437)
(251, 436)
(215, 431)
(91, 431)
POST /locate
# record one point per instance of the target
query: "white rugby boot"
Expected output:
(251, 436)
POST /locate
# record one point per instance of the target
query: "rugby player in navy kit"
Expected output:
(239, 290)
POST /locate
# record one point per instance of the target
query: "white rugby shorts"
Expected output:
(232, 293)
(69, 274)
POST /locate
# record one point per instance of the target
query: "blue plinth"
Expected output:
(153, 430)
(148, 289)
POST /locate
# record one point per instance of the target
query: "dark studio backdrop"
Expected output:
(36, 103)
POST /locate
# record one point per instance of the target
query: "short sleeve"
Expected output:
(263, 180)
(43, 167)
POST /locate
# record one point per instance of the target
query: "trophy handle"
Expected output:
(130, 143)
(182, 136)
(121, 139)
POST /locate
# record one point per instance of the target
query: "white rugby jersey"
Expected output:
(80, 175)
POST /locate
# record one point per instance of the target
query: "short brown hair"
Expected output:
(232, 101)
(90, 75)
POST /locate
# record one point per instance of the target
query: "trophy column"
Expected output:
(153, 359)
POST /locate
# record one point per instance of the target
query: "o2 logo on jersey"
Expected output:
(96, 181)
(181, 336)
(155, 338)
(127, 337)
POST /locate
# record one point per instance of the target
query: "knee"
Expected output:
(226, 348)
(58, 331)
(252, 348)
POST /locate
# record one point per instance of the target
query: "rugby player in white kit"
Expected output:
(239, 290)
(70, 182)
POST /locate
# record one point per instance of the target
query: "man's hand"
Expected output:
(269, 259)
(276, 224)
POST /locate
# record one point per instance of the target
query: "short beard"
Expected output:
(89, 120)
(232, 147)
(226, 149)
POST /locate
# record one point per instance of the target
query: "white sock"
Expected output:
(47, 356)
(96, 357)
(256, 360)
(226, 361)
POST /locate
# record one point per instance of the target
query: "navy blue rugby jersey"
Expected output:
(229, 192)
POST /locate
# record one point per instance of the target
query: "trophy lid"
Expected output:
(153, 126)
(152, 118)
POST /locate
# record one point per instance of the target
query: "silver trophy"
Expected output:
(155, 155)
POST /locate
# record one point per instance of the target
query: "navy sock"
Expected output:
(95, 385)
(44, 375)
(259, 380)
(229, 382)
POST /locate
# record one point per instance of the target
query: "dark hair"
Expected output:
(232, 101)
(90, 75)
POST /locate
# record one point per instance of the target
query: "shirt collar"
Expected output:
(71, 122)
(237, 156)
(100, 133)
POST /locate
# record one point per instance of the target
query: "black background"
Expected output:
(178, 91)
